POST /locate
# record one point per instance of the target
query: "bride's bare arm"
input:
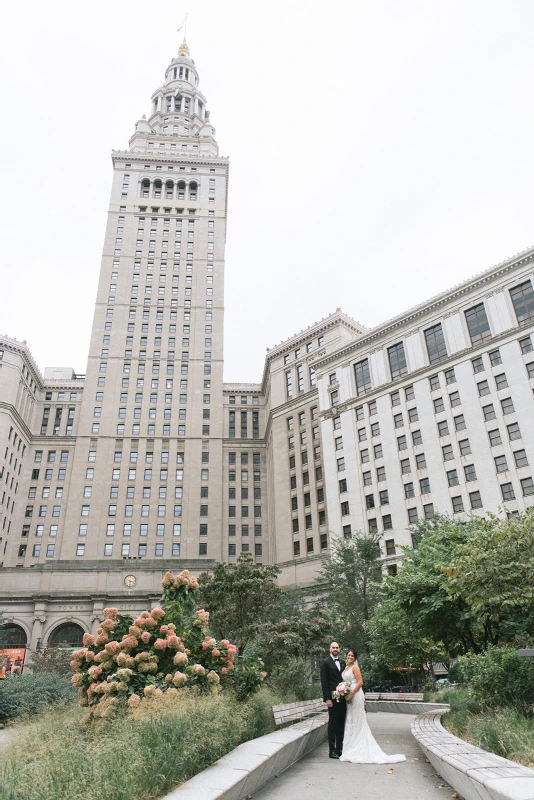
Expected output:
(359, 682)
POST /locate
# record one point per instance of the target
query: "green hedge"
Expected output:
(498, 678)
(26, 694)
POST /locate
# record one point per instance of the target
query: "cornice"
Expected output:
(428, 369)
(22, 349)
(432, 305)
(161, 158)
(319, 327)
(16, 416)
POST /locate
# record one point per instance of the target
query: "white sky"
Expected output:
(381, 152)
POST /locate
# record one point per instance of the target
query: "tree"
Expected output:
(493, 573)
(466, 583)
(239, 598)
(295, 630)
(346, 586)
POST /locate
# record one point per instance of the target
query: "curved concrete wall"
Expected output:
(474, 773)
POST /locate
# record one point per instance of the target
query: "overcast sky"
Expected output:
(381, 152)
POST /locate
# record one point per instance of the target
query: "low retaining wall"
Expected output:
(249, 766)
(403, 706)
(474, 773)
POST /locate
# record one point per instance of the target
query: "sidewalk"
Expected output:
(317, 777)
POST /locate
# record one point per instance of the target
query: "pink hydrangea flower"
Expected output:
(103, 638)
(129, 642)
(88, 639)
(150, 623)
(224, 671)
(158, 613)
(111, 612)
(146, 636)
(173, 641)
(134, 700)
(180, 659)
(135, 630)
(160, 644)
(149, 691)
(215, 652)
(107, 625)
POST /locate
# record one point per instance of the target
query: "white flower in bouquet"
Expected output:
(341, 690)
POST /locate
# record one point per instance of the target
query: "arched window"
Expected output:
(69, 635)
(169, 190)
(181, 190)
(157, 188)
(145, 188)
(193, 190)
(13, 636)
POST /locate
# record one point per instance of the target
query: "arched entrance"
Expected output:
(12, 635)
(69, 634)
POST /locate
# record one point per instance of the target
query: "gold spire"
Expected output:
(184, 48)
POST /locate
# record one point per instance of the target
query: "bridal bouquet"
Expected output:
(341, 690)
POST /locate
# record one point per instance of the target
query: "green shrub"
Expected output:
(499, 678)
(26, 694)
(292, 681)
(143, 754)
(505, 732)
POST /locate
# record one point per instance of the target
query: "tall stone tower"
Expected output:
(149, 447)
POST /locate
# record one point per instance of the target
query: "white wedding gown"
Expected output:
(359, 744)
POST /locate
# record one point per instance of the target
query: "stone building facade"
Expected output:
(151, 462)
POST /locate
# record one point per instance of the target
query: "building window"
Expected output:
(495, 437)
(465, 447)
(447, 451)
(527, 485)
(452, 478)
(397, 360)
(526, 345)
(507, 491)
(489, 413)
(470, 473)
(434, 382)
(457, 505)
(477, 324)
(523, 300)
(443, 428)
(387, 523)
(475, 499)
(501, 464)
(495, 358)
(362, 375)
(428, 511)
(513, 431)
(478, 364)
(454, 398)
(390, 547)
(435, 343)
(500, 381)
(507, 406)
(439, 405)
(520, 458)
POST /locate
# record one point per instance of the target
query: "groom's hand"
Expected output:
(329, 703)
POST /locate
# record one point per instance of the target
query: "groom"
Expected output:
(331, 670)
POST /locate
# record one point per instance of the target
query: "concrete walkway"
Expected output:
(317, 777)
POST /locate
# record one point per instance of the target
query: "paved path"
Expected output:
(317, 777)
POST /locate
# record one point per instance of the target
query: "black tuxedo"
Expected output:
(330, 677)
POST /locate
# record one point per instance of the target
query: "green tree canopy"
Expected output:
(345, 586)
(239, 598)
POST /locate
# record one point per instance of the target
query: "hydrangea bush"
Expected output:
(162, 651)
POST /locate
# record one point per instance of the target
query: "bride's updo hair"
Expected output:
(353, 651)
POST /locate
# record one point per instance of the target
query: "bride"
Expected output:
(359, 744)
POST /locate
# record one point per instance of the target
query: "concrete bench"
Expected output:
(289, 712)
(414, 697)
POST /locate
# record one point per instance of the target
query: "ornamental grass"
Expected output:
(142, 753)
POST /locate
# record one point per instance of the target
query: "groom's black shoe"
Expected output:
(333, 754)
(339, 752)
